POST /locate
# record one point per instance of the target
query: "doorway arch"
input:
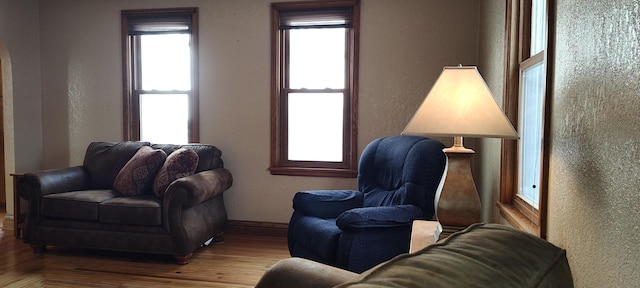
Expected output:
(7, 156)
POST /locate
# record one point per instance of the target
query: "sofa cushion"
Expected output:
(104, 160)
(136, 210)
(77, 205)
(137, 175)
(483, 255)
(182, 162)
(209, 157)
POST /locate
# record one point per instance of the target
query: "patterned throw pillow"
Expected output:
(182, 162)
(136, 176)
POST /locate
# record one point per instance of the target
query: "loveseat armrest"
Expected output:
(299, 272)
(378, 217)
(197, 188)
(32, 186)
(326, 203)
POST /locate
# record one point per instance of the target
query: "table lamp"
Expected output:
(459, 105)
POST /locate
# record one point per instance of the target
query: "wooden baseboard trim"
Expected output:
(260, 228)
(7, 224)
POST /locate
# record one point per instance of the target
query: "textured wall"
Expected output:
(491, 65)
(20, 57)
(404, 45)
(595, 156)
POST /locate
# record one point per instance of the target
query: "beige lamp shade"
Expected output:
(460, 105)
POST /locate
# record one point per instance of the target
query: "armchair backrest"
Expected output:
(401, 170)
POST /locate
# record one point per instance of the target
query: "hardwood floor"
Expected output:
(239, 261)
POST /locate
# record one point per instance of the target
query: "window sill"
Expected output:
(314, 172)
(517, 219)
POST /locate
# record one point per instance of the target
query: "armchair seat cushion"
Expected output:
(379, 217)
(76, 205)
(137, 210)
(326, 203)
(324, 237)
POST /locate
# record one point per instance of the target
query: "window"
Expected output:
(160, 75)
(525, 162)
(314, 88)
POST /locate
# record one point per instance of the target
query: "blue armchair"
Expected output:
(355, 230)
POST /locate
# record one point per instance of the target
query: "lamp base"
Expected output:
(443, 232)
(457, 200)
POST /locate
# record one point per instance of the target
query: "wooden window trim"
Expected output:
(515, 210)
(131, 105)
(279, 165)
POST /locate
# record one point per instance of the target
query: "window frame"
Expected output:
(280, 165)
(130, 71)
(515, 210)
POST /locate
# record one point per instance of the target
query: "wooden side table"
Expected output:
(423, 234)
(18, 216)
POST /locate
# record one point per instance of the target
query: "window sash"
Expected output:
(280, 162)
(136, 23)
(517, 210)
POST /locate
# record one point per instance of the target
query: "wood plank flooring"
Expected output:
(239, 261)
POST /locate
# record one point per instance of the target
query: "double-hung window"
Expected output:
(160, 75)
(525, 162)
(314, 88)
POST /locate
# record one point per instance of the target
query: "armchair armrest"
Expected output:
(197, 188)
(378, 217)
(34, 185)
(326, 203)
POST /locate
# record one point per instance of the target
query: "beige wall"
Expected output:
(595, 158)
(404, 45)
(20, 61)
(491, 65)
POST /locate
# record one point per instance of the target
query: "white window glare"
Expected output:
(315, 126)
(317, 58)
(166, 62)
(164, 118)
(531, 133)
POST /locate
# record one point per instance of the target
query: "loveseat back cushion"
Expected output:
(104, 160)
(181, 163)
(136, 177)
(76, 205)
(209, 157)
(483, 255)
(143, 210)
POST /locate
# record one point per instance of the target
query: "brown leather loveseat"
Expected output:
(130, 196)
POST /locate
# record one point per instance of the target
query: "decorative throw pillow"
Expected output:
(137, 175)
(182, 162)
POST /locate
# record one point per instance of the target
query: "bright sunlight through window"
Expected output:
(166, 67)
(316, 61)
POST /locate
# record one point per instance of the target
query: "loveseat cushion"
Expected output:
(137, 210)
(483, 255)
(209, 156)
(77, 205)
(136, 177)
(104, 160)
(181, 163)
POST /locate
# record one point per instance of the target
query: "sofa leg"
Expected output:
(38, 248)
(183, 259)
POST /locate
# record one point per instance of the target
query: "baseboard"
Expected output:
(258, 228)
(7, 224)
